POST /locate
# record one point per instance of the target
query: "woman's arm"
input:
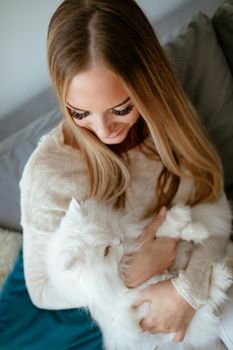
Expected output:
(172, 308)
(45, 196)
(42, 292)
(50, 282)
(193, 282)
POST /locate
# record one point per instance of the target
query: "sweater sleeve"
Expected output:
(46, 190)
(193, 282)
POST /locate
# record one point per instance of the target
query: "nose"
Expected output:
(104, 125)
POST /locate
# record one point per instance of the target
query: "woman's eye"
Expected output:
(80, 116)
(125, 111)
(77, 115)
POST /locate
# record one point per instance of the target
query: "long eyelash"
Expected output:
(77, 115)
(81, 116)
(125, 111)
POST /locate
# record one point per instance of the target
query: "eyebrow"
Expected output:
(83, 110)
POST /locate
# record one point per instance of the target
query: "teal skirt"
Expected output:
(23, 326)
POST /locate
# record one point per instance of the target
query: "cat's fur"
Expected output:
(84, 262)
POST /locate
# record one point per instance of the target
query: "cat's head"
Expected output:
(99, 235)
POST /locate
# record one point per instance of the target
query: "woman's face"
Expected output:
(97, 101)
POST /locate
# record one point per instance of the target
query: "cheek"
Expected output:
(130, 119)
(81, 123)
(84, 124)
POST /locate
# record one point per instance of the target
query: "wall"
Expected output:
(23, 68)
(23, 29)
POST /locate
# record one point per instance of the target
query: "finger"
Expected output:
(176, 240)
(170, 243)
(149, 325)
(179, 337)
(159, 328)
(143, 296)
(156, 222)
(138, 302)
(145, 324)
(154, 330)
(158, 219)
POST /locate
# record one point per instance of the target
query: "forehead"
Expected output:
(96, 89)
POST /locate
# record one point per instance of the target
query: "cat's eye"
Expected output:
(107, 249)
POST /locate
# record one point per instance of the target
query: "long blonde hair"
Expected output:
(118, 34)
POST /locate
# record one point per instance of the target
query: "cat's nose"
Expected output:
(118, 241)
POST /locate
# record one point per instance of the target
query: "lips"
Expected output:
(115, 133)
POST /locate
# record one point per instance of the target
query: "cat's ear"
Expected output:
(74, 212)
(76, 207)
(74, 204)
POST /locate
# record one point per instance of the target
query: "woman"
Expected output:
(131, 137)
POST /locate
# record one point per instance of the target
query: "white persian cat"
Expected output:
(85, 260)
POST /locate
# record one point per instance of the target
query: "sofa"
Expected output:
(201, 53)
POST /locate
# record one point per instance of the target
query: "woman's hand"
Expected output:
(169, 312)
(154, 256)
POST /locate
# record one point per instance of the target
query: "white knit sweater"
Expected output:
(53, 174)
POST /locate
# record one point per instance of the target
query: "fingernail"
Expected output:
(162, 211)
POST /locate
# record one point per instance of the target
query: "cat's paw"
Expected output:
(176, 219)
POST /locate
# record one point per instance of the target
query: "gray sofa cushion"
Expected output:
(28, 112)
(14, 152)
(223, 25)
(204, 73)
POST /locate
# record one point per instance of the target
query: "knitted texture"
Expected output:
(53, 174)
